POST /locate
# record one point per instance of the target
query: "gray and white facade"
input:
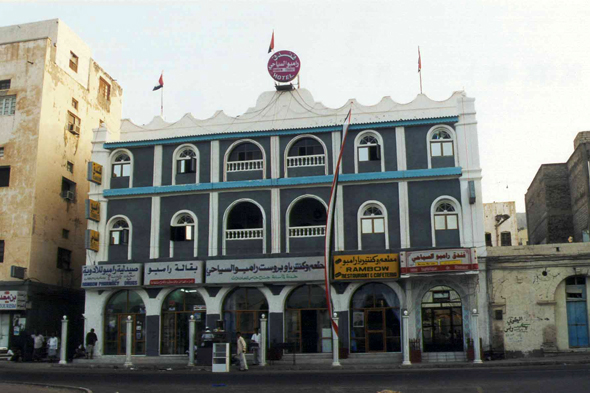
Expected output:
(225, 218)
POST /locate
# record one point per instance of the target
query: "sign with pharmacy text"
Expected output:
(173, 273)
(363, 267)
(457, 259)
(296, 269)
(118, 275)
(284, 66)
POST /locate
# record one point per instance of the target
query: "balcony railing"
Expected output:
(314, 231)
(302, 161)
(242, 166)
(244, 234)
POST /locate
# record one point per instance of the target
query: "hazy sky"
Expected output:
(525, 62)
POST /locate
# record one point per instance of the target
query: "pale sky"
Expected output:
(525, 62)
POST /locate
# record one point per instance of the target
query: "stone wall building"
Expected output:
(501, 224)
(52, 94)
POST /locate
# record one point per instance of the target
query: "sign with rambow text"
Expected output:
(13, 300)
(120, 275)
(265, 270)
(362, 267)
(283, 66)
(457, 259)
(94, 172)
(92, 210)
(173, 273)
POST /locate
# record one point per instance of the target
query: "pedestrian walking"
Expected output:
(38, 341)
(255, 346)
(53, 345)
(242, 348)
(91, 340)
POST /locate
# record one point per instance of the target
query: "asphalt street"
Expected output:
(532, 379)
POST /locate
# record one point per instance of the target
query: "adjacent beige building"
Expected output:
(52, 95)
(500, 223)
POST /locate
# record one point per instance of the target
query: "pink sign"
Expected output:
(283, 66)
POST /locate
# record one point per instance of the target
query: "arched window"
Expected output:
(120, 233)
(306, 218)
(120, 238)
(442, 320)
(245, 152)
(183, 235)
(307, 323)
(372, 226)
(185, 165)
(244, 220)
(375, 319)
(372, 220)
(306, 151)
(368, 154)
(177, 308)
(445, 217)
(446, 222)
(183, 228)
(441, 147)
(121, 171)
(121, 165)
(121, 305)
(242, 310)
(186, 161)
(244, 159)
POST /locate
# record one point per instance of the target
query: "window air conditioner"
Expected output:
(68, 195)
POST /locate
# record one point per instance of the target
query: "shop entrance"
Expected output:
(177, 309)
(121, 305)
(4, 329)
(442, 320)
(577, 311)
(138, 329)
(307, 325)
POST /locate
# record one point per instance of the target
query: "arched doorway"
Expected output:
(242, 310)
(307, 323)
(442, 320)
(121, 305)
(177, 308)
(375, 320)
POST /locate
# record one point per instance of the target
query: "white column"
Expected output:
(406, 337)
(275, 158)
(155, 229)
(263, 339)
(213, 223)
(475, 328)
(191, 340)
(335, 344)
(64, 341)
(275, 220)
(404, 214)
(400, 148)
(157, 165)
(214, 161)
(129, 341)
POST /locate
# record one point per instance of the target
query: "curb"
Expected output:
(79, 388)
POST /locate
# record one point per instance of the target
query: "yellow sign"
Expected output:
(95, 172)
(92, 210)
(363, 267)
(92, 240)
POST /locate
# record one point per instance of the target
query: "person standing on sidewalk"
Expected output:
(242, 352)
(53, 345)
(255, 346)
(38, 341)
(91, 340)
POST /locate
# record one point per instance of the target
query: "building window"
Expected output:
(4, 176)
(5, 84)
(74, 103)
(245, 157)
(1, 152)
(70, 166)
(73, 125)
(505, 239)
(65, 234)
(1, 251)
(183, 229)
(441, 144)
(122, 166)
(68, 189)
(7, 105)
(187, 161)
(369, 149)
(73, 62)
(120, 233)
(373, 220)
(306, 152)
(64, 258)
(104, 89)
(445, 217)
(488, 239)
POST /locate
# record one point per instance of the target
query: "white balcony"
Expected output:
(314, 231)
(304, 161)
(243, 166)
(244, 234)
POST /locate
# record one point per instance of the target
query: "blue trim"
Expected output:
(285, 182)
(253, 134)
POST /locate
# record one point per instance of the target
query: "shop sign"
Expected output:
(121, 275)
(366, 267)
(92, 210)
(94, 172)
(92, 240)
(265, 270)
(173, 273)
(13, 300)
(458, 259)
(283, 66)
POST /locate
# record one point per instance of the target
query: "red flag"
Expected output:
(272, 43)
(160, 82)
(419, 61)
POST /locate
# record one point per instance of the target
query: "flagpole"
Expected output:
(162, 103)
(420, 68)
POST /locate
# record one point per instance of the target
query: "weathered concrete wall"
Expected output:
(577, 166)
(527, 285)
(491, 210)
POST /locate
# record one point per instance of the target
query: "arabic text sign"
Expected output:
(120, 275)
(265, 270)
(458, 259)
(173, 273)
(92, 240)
(283, 66)
(92, 210)
(94, 172)
(13, 300)
(362, 267)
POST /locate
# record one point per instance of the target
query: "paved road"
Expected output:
(545, 379)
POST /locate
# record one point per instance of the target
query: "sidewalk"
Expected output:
(39, 388)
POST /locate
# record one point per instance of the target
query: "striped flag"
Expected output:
(271, 47)
(160, 82)
(330, 220)
(419, 61)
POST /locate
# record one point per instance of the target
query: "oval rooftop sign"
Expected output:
(283, 66)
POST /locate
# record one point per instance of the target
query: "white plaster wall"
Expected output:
(491, 210)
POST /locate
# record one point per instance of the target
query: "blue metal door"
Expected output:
(577, 323)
